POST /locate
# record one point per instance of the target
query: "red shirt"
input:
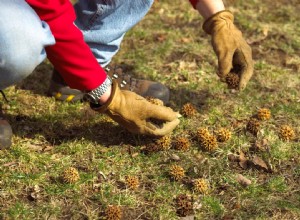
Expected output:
(71, 56)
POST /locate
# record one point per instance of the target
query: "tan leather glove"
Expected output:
(134, 113)
(233, 52)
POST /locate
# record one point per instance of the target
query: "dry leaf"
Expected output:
(175, 157)
(243, 180)
(243, 160)
(233, 157)
(190, 217)
(259, 163)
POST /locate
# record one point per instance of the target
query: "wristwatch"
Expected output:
(94, 95)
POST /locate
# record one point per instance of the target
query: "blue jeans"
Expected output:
(23, 36)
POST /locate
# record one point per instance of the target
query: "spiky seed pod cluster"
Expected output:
(154, 101)
(286, 133)
(113, 212)
(177, 172)
(70, 175)
(184, 205)
(232, 80)
(164, 142)
(223, 134)
(188, 110)
(152, 148)
(253, 126)
(182, 143)
(201, 186)
(132, 182)
(207, 141)
(202, 132)
(264, 114)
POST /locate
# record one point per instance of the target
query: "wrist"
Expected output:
(208, 8)
(101, 94)
(105, 97)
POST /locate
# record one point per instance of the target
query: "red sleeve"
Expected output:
(71, 56)
(194, 3)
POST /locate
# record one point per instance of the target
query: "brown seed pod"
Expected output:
(232, 80)
(184, 205)
(264, 114)
(209, 143)
(151, 148)
(113, 212)
(177, 172)
(201, 186)
(202, 132)
(164, 143)
(188, 110)
(132, 182)
(286, 133)
(253, 126)
(155, 101)
(182, 143)
(70, 175)
(223, 134)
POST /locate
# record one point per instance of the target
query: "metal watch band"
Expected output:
(94, 95)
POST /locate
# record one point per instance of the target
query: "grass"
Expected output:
(167, 46)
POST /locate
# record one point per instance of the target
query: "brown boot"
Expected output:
(145, 88)
(5, 132)
(60, 90)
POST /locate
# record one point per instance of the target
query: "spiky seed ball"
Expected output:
(253, 126)
(223, 134)
(177, 172)
(70, 175)
(201, 186)
(113, 212)
(184, 205)
(182, 143)
(209, 143)
(202, 133)
(188, 110)
(286, 133)
(132, 182)
(154, 101)
(152, 148)
(232, 80)
(263, 114)
(164, 142)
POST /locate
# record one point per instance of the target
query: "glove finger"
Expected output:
(247, 71)
(243, 61)
(167, 128)
(161, 113)
(225, 60)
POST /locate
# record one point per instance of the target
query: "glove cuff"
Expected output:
(103, 108)
(221, 16)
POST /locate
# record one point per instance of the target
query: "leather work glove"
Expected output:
(134, 113)
(233, 52)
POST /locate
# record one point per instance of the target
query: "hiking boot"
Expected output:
(145, 88)
(5, 132)
(60, 90)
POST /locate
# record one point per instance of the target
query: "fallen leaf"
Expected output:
(10, 164)
(135, 154)
(243, 180)
(233, 157)
(190, 217)
(243, 161)
(259, 163)
(175, 157)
